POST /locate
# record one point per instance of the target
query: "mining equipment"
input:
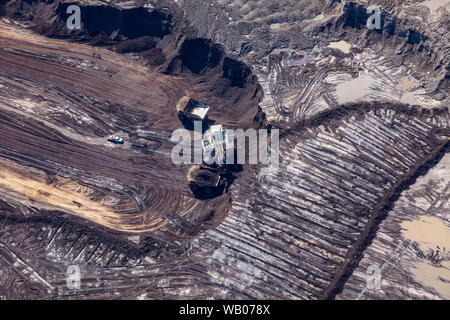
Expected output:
(215, 143)
(115, 139)
(210, 175)
(191, 109)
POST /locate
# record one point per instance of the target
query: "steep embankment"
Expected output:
(74, 89)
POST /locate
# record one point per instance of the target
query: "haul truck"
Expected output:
(115, 139)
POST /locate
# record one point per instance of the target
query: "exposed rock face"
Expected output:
(364, 140)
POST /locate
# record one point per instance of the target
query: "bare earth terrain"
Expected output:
(364, 177)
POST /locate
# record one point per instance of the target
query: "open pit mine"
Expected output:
(92, 205)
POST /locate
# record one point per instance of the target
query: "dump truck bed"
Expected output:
(203, 177)
(192, 108)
